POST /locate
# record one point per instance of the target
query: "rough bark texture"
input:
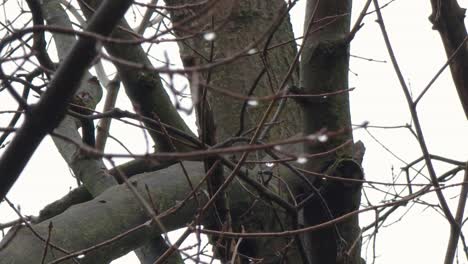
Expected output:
(237, 24)
(116, 211)
(448, 18)
(324, 69)
(260, 72)
(108, 215)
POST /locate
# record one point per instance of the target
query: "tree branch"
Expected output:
(50, 110)
(448, 18)
(144, 88)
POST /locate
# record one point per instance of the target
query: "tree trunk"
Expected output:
(324, 70)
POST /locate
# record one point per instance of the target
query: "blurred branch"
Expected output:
(50, 110)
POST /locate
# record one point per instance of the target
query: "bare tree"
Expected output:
(272, 174)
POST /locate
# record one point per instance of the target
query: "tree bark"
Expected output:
(266, 68)
(113, 212)
(448, 18)
(324, 70)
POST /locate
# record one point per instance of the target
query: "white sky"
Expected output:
(421, 236)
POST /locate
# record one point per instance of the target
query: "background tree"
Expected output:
(263, 192)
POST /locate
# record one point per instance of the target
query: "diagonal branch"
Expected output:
(90, 171)
(448, 18)
(50, 110)
(417, 124)
(144, 88)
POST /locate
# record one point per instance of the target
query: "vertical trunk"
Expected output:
(257, 72)
(448, 18)
(236, 25)
(324, 70)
